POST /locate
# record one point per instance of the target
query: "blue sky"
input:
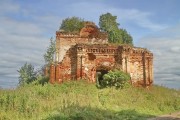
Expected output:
(26, 27)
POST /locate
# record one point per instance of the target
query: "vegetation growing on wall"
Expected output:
(72, 25)
(107, 23)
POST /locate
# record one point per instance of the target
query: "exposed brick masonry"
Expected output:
(80, 57)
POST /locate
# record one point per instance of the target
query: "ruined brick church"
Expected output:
(82, 55)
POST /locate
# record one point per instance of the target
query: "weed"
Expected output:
(80, 100)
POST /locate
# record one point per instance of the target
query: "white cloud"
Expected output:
(7, 6)
(14, 27)
(49, 21)
(175, 49)
(21, 41)
(141, 18)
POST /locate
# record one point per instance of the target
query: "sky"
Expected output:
(27, 25)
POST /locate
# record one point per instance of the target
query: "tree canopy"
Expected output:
(107, 23)
(72, 25)
(126, 37)
(26, 74)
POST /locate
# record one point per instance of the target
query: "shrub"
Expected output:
(26, 74)
(72, 25)
(116, 78)
(42, 80)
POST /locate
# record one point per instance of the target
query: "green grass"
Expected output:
(83, 101)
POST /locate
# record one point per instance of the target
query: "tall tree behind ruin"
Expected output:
(50, 52)
(107, 23)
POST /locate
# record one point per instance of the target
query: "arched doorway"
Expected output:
(100, 72)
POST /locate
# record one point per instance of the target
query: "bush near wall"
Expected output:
(116, 78)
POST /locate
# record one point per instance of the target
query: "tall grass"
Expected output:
(81, 100)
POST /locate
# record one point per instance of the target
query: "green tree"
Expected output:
(72, 25)
(115, 36)
(107, 23)
(50, 52)
(126, 37)
(26, 74)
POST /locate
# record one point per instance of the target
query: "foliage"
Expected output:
(72, 25)
(76, 112)
(41, 80)
(107, 23)
(81, 100)
(26, 74)
(115, 78)
(115, 36)
(126, 37)
(50, 52)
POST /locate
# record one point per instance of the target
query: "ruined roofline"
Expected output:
(126, 48)
(110, 45)
(144, 49)
(95, 45)
(63, 34)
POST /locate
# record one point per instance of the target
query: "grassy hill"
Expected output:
(83, 101)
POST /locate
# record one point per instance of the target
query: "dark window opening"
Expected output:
(91, 56)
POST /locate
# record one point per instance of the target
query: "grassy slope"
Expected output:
(80, 100)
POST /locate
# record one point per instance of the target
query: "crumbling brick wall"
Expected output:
(80, 57)
(138, 62)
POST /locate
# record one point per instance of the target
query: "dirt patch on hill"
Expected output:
(171, 116)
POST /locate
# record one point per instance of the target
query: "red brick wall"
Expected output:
(52, 74)
(83, 57)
